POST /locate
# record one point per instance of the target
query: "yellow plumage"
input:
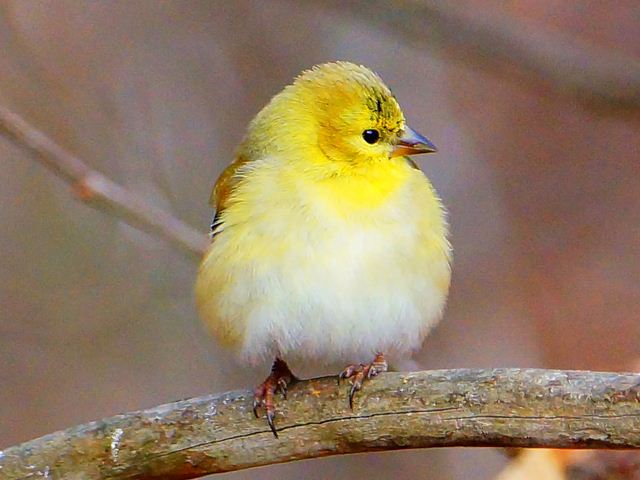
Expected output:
(326, 246)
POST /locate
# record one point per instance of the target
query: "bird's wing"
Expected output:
(223, 188)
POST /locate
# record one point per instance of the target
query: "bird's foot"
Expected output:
(359, 373)
(263, 396)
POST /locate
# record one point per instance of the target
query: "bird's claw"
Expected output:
(356, 385)
(349, 371)
(263, 395)
(364, 371)
(270, 416)
(282, 387)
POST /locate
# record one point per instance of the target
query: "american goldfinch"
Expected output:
(328, 243)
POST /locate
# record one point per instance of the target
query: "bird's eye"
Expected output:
(371, 136)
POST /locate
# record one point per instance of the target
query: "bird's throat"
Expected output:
(357, 189)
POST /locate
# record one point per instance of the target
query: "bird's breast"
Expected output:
(327, 268)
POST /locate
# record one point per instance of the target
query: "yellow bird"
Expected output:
(328, 243)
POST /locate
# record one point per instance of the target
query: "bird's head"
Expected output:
(341, 111)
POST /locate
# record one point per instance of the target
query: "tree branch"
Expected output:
(591, 73)
(192, 438)
(97, 190)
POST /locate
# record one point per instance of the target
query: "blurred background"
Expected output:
(532, 104)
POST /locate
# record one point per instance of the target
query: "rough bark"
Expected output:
(218, 433)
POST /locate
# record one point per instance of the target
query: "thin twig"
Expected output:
(193, 438)
(97, 190)
(593, 74)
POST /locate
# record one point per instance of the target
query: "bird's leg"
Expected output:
(360, 373)
(263, 395)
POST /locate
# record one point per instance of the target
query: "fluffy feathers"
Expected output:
(327, 249)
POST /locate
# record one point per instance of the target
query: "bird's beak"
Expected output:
(412, 143)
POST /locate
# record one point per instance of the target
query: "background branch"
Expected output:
(590, 72)
(192, 438)
(97, 190)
